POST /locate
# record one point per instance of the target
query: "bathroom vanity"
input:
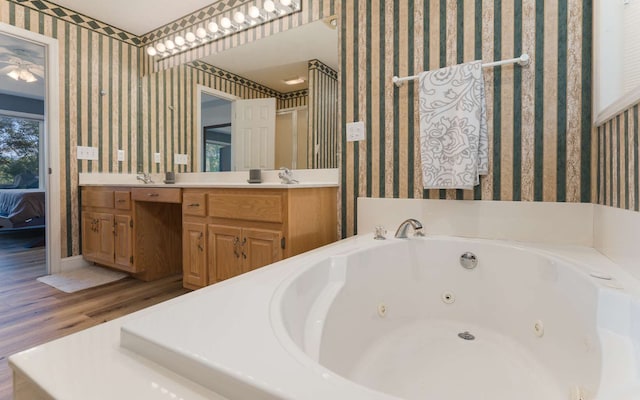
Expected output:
(208, 230)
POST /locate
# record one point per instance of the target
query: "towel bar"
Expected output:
(523, 61)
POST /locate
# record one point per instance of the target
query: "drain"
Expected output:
(466, 335)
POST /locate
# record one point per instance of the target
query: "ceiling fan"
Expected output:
(18, 65)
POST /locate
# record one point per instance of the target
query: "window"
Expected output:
(617, 57)
(21, 144)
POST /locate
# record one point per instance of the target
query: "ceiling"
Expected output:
(137, 16)
(273, 59)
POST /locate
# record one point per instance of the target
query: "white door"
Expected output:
(253, 134)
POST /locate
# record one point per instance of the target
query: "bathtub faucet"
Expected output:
(401, 233)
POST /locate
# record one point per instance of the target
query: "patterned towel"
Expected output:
(454, 146)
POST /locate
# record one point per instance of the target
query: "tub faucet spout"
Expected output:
(401, 233)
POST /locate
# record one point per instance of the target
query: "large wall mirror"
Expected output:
(297, 127)
(617, 57)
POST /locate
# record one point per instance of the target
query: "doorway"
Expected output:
(30, 60)
(214, 116)
(216, 133)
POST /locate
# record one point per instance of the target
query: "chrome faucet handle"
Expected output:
(379, 233)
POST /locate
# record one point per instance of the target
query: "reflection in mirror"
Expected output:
(298, 66)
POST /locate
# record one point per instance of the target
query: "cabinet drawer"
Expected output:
(123, 200)
(160, 195)
(251, 207)
(194, 204)
(97, 198)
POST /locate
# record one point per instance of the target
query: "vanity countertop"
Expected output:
(309, 178)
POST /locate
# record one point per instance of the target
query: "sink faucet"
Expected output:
(414, 223)
(144, 177)
(285, 176)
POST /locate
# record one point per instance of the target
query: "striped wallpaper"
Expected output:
(539, 116)
(93, 58)
(617, 163)
(323, 115)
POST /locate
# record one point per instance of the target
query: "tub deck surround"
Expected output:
(611, 231)
(252, 348)
(307, 177)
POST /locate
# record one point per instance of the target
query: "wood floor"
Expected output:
(32, 313)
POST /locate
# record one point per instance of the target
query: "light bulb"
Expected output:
(201, 33)
(213, 27)
(238, 17)
(269, 6)
(169, 44)
(151, 51)
(27, 76)
(254, 12)
(225, 23)
(179, 41)
(285, 3)
(160, 47)
(190, 37)
(14, 74)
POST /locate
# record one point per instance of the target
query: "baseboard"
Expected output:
(72, 263)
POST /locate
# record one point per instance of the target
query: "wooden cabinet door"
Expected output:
(105, 249)
(90, 235)
(224, 252)
(260, 247)
(194, 255)
(123, 251)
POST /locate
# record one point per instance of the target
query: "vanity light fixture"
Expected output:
(233, 21)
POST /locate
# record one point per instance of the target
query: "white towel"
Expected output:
(454, 145)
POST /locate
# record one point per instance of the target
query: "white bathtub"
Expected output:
(313, 326)
(389, 318)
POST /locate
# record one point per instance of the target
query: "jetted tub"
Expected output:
(364, 319)
(407, 319)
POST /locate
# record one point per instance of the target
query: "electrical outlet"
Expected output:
(355, 131)
(120, 155)
(180, 159)
(156, 158)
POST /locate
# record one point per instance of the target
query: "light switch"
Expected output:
(156, 158)
(87, 153)
(180, 159)
(355, 131)
(120, 155)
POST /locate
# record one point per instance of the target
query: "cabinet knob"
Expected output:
(194, 205)
(153, 194)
